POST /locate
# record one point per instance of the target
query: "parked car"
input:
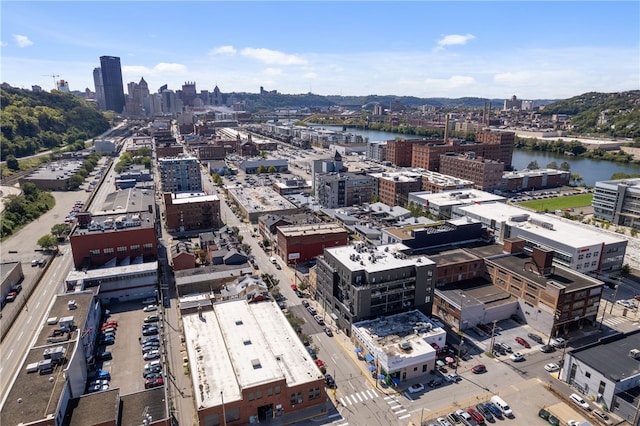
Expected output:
(506, 347)
(495, 410)
(149, 339)
(579, 401)
(443, 422)
(602, 416)
(153, 346)
(517, 357)
(435, 383)
(104, 356)
(551, 367)
(523, 342)
(547, 349)
(318, 319)
(479, 369)
(454, 418)
(485, 411)
(312, 310)
(11, 297)
(106, 340)
(151, 318)
(418, 387)
(328, 331)
(101, 375)
(477, 417)
(558, 342)
(150, 308)
(155, 354)
(453, 377)
(98, 388)
(305, 303)
(152, 370)
(535, 338)
(331, 383)
(150, 331)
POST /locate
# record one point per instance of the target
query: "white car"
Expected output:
(551, 367)
(150, 308)
(443, 422)
(418, 387)
(517, 357)
(453, 377)
(154, 354)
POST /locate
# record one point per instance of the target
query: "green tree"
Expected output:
(533, 165)
(565, 166)
(271, 169)
(261, 169)
(576, 179)
(74, 182)
(246, 248)
(48, 242)
(552, 165)
(12, 163)
(60, 230)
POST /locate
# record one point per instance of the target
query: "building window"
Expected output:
(108, 250)
(258, 394)
(122, 249)
(94, 253)
(314, 393)
(270, 392)
(296, 398)
(277, 390)
(135, 247)
(251, 397)
(587, 374)
(147, 246)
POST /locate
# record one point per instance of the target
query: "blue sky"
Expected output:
(535, 50)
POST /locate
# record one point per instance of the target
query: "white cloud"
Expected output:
(272, 56)
(22, 40)
(158, 69)
(223, 50)
(3, 43)
(272, 71)
(453, 40)
(453, 82)
(310, 75)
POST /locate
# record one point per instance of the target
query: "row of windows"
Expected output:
(121, 249)
(586, 265)
(258, 394)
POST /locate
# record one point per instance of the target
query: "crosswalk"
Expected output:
(358, 397)
(396, 407)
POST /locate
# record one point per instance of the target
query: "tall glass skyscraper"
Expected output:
(112, 83)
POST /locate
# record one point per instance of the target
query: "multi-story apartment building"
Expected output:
(377, 151)
(301, 243)
(438, 182)
(486, 174)
(505, 140)
(180, 174)
(427, 156)
(618, 201)
(355, 283)
(191, 211)
(400, 151)
(335, 190)
(576, 247)
(393, 188)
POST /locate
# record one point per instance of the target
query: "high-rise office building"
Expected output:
(97, 81)
(112, 83)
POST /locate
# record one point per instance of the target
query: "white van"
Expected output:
(502, 405)
(578, 400)
(273, 260)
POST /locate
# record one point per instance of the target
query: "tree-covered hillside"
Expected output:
(36, 121)
(612, 114)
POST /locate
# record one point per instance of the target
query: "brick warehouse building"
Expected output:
(486, 174)
(100, 239)
(301, 243)
(394, 187)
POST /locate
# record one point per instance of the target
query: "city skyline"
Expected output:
(535, 50)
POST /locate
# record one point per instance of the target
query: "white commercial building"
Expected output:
(400, 347)
(440, 204)
(576, 247)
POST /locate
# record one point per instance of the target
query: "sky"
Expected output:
(534, 50)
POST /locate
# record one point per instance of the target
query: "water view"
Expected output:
(590, 170)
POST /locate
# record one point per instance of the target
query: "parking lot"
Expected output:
(127, 364)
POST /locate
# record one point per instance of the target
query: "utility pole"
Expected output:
(493, 335)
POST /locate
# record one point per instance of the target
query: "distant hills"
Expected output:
(37, 121)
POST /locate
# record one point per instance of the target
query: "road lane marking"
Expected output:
(397, 407)
(10, 352)
(371, 391)
(404, 417)
(359, 397)
(404, 410)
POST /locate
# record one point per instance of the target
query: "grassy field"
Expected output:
(559, 203)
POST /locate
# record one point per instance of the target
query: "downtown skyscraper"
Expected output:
(112, 86)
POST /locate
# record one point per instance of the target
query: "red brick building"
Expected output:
(486, 174)
(400, 151)
(301, 243)
(524, 180)
(115, 236)
(185, 211)
(394, 188)
(505, 140)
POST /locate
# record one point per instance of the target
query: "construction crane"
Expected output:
(54, 76)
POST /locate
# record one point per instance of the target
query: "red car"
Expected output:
(294, 287)
(480, 368)
(153, 383)
(523, 342)
(475, 415)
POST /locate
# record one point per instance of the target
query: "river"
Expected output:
(591, 170)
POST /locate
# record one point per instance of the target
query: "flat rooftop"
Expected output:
(238, 345)
(192, 197)
(398, 176)
(611, 357)
(261, 199)
(34, 397)
(478, 290)
(358, 257)
(546, 226)
(560, 276)
(457, 197)
(130, 200)
(62, 169)
(311, 229)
